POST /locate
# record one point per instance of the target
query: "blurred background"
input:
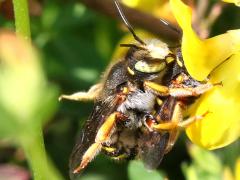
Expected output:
(76, 43)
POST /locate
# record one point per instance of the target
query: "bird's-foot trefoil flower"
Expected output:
(216, 58)
(236, 2)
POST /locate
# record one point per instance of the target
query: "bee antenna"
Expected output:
(128, 25)
(171, 26)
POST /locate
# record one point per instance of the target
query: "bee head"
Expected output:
(150, 56)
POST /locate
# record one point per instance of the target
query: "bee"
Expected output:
(138, 106)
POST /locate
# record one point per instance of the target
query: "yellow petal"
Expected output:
(236, 2)
(202, 56)
(157, 8)
(237, 169)
(227, 174)
(221, 125)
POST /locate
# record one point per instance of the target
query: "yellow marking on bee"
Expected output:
(153, 112)
(180, 79)
(170, 59)
(159, 101)
(179, 62)
(157, 87)
(130, 71)
(109, 149)
(148, 67)
(105, 130)
(121, 156)
(125, 90)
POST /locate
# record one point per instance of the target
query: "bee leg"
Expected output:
(84, 96)
(172, 124)
(191, 91)
(102, 136)
(177, 121)
(179, 126)
(156, 88)
(88, 156)
(176, 124)
(179, 91)
(185, 123)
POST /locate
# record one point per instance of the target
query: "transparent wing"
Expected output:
(101, 110)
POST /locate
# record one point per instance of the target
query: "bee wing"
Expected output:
(152, 148)
(102, 109)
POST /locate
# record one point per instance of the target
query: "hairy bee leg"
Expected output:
(105, 130)
(156, 88)
(84, 96)
(184, 124)
(165, 126)
(179, 126)
(176, 124)
(88, 156)
(177, 118)
(178, 92)
(186, 92)
(102, 136)
(171, 126)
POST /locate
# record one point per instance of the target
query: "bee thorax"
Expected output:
(138, 101)
(157, 48)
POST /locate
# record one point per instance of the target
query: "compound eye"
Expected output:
(150, 67)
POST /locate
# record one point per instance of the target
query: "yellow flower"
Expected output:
(218, 57)
(229, 175)
(236, 2)
(237, 169)
(157, 8)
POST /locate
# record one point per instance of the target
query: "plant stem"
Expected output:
(34, 149)
(21, 14)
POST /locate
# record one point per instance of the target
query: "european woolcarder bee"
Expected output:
(138, 105)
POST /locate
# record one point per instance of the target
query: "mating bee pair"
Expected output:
(139, 105)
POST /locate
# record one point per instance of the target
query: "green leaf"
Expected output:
(137, 171)
(206, 165)
(201, 157)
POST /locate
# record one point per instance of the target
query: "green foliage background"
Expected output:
(76, 45)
